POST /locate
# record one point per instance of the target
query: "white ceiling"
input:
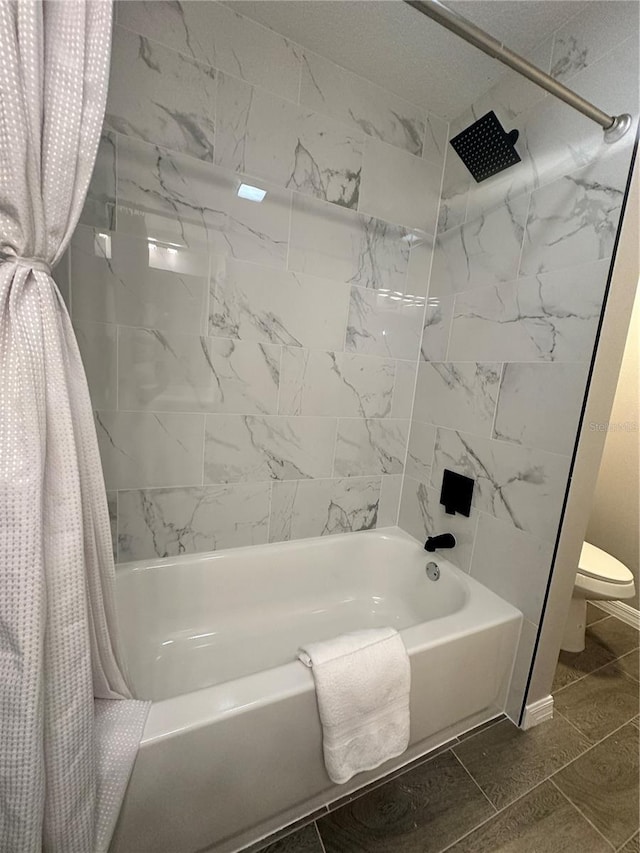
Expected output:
(392, 44)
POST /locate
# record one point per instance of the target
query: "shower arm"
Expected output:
(614, 126)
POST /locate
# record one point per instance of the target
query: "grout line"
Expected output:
(518, 271)
(599, 668)
(624, 844)
(547, 778)
(573, 726)
(317, 828)
(593, 745)
(492, 817)
(497, 406)
(204, 445)
(472, 555)
(475, 782)
(582, 814)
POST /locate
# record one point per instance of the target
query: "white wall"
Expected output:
(615, 514)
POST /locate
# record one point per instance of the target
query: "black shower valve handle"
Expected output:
(435, 543)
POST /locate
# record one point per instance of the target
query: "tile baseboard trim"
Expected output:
(624, 612)
(537, 712)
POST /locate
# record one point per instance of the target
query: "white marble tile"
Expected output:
(385, 324)
(422, 515)
(422, 440)
(214, 34)
(161, 96)
(521, 667)
(295, 147)
(459, 395)
(257, 303)
(435, 139)
(97, 343)
(437, 326)
(513, 564)
(168, 522)
(246, 447)
(365, 446)
(513, 94)
(456, 180)
(556, 141)
(182, 201)
(574, 220)
(333, 90)
(304, 508)
(346, 246)
(550, 317)
(168, 372)
(481, 252)
(141, 449)
(399, 187)
(100, 204)
(596, 29)
(129, 281)
(112, 506)
(336, 384)
(403, 389)
(389, 503)
(522, 485)
(539, 405)
(419, 264)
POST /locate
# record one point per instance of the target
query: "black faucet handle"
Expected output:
(435, 543)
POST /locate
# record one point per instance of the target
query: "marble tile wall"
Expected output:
(519, 272)
(252, 364)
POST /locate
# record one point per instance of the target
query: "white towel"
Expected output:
(362, 686)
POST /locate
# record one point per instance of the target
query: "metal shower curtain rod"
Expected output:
(614, 126)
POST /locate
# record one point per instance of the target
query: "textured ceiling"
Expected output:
(398, 48)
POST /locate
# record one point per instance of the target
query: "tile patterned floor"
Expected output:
(567, 786)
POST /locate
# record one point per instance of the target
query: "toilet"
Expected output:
(600, 577)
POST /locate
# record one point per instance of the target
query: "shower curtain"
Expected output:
(65, 758)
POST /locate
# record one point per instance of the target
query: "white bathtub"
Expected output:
(232, 748)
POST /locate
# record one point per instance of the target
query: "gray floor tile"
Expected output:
(603, 784)
(572, 666)
(349, 798)
(303, 841)
(481, 728)
(297, 828)
(632, 846)
(630, 664)
(594, 614)
(420, 812)
(507, 762)
(541, 822)
(600, 703)
(615, 635)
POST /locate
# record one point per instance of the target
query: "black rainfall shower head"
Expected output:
(485, 148)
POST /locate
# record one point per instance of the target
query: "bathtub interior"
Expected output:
(189, 623)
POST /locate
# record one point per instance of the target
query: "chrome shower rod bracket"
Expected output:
(614, 127)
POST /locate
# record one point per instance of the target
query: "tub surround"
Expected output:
(252, 365)
(519, 272)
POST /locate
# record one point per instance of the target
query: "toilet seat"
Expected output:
(601, 576)
(596, 563)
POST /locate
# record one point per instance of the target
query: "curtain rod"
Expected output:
(614, 126)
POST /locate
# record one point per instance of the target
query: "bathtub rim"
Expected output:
(190, 711)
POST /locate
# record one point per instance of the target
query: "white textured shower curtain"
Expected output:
(60, 783)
